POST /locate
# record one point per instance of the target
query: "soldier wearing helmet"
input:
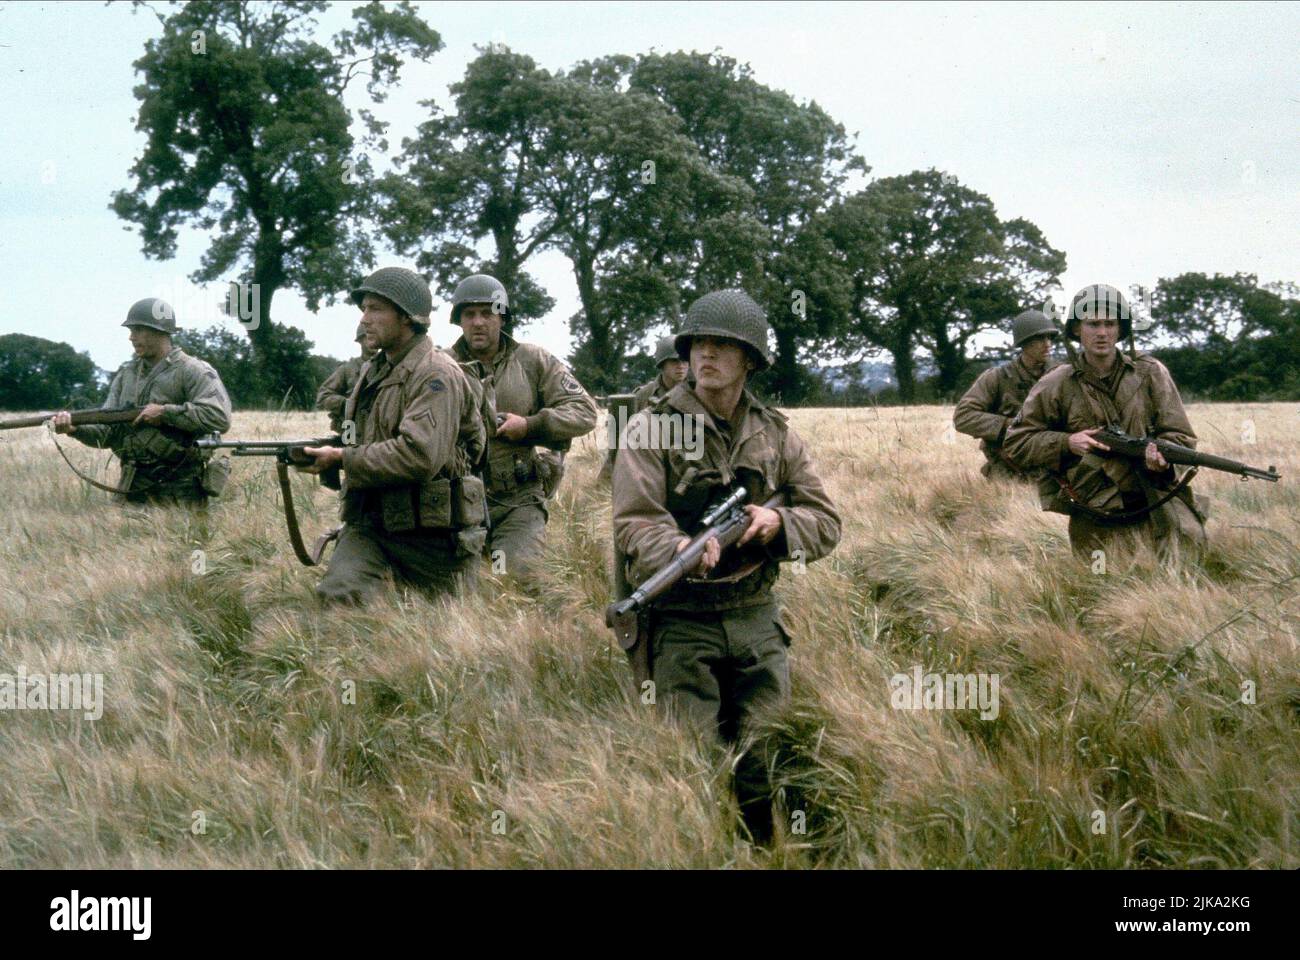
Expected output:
(988, 407)
(334, 392)
(672, 371)
(538, 403)
(717, 642)
(182, 398)
(412, 507)
(1112, 502)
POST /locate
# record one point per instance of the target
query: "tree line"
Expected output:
(657, 177)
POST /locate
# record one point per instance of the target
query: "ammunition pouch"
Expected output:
(442, 504)
(148, 444)
(511, 467)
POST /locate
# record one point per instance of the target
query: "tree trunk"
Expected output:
(786, 383)
(904, 371)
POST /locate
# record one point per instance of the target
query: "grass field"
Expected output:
(1148, 717)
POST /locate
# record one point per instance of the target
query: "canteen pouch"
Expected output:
(215, 474)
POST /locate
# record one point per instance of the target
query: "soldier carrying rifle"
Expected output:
(715, 640)
(181, 397)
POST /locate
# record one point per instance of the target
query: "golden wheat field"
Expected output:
(1148, 717)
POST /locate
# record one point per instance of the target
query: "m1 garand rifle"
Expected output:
(1126, 445)
(287, 453)
(79, 418)
(726, 523)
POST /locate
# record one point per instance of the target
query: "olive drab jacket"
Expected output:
(650, 393)
(659, 496)
(335, 390)
(194, 403)
(526, 380)
(986, 410)
(417, 429)
(1139, 395)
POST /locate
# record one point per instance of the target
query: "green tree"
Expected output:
(473, 175)
(929, 265)
(39, 374)
(248, 139)
(794, 157)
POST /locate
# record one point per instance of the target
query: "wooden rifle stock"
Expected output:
(79, 418)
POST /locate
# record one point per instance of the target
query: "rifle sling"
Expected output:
(307, 558)
(1131, 516)
(152, 484)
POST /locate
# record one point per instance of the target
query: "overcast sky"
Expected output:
(1145, 140)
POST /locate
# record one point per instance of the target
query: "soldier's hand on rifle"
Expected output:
(326, 457)
(708, 558)
(1083, 442)
(63, 422)
(764, 524)
(1156, 462)
(514, 427)
(152, 414)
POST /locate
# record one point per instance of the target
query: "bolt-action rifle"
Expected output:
(1125, 445)
(287, 453)
(79, 417)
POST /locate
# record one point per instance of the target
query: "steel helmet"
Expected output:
(480, 288)
(731, 314)
(152, 313)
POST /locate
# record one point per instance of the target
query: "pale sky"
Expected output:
(1146, 140)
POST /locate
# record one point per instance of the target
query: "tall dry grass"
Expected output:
(499, 730)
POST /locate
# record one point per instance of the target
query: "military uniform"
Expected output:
(160, 463)
(1140, 396)
(338, 386)
(987, 409)
(525, 379)
(410, 502)
(650, 393)
(718, 647)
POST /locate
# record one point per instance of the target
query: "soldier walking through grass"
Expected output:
(182, 398)
(412, 508)
(538, 402)
(718, 647)
(993, 400)
(1111, 501)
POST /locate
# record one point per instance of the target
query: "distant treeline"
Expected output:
(1224, 338)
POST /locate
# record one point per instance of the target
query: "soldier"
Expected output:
(334, 392)
(538, 402)
(672, 371)
(988, 407)
(1111, 501)
(718, 646)
(411, 506)
(182, 397)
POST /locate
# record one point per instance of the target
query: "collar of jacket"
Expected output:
(402, 361)
(505, 347)
(174, 355)
(1082, 369)
(1026, 375)
(754, 414)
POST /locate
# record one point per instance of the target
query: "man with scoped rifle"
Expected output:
(710, 637)
(1108, 429)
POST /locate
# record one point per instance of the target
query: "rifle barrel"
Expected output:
(79, 418)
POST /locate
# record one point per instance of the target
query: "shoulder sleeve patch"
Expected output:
(436, 385)
(570, 383)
